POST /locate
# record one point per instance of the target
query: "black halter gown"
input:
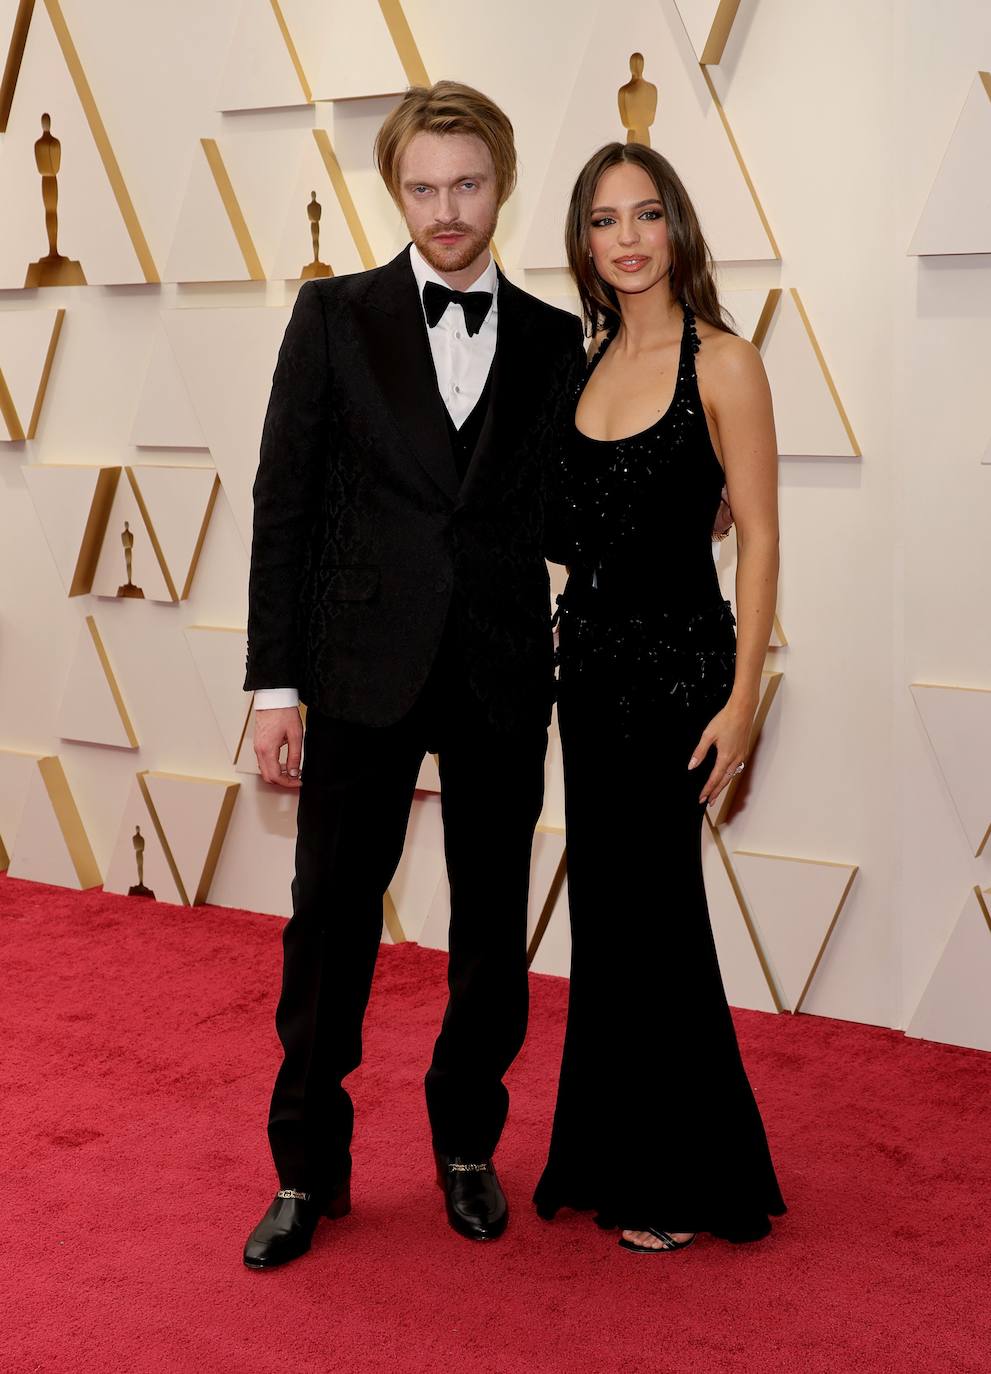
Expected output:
(656, 1123)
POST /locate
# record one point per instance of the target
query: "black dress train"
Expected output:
(655, 1123)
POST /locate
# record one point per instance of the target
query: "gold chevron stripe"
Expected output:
(96, 528)
(287, 38)
(405, 43)
(102, 141)
(392, 922)
(146, 517)
(741, 902)
(173, 867)
(234, 213)
(69, 821)
(547, 910)
(15, 56)
(9, 411)
(46, 372)
(108, 672)
(194, 561)
(766, 316)
(739, 157)
(344, 199)
(715, 43)
(826, 373)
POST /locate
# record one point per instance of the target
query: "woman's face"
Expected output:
(628, 234)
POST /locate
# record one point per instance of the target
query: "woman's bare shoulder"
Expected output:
(727, 355)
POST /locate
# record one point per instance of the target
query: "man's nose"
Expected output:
(447, 207)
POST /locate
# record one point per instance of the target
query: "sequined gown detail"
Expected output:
(655, 1122)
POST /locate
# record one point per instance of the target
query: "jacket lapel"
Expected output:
(390, 318)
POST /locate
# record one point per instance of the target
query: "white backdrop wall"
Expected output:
(842, 112)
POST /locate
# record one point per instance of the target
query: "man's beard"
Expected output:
(454, 259)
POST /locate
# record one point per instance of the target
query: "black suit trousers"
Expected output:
(354, 804)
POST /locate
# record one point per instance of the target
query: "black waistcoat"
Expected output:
(464, 441)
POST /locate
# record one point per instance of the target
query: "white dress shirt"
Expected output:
(462, 362)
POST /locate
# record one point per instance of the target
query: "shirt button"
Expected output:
(457, 333)
(457, 391)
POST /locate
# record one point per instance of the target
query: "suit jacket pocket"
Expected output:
(356, 582)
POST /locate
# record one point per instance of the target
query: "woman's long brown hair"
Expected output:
(691, 262)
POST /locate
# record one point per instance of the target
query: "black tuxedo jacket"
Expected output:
(365, 542)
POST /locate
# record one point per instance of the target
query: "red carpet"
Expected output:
(139, 1053)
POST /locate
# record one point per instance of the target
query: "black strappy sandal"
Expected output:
(668, 1242)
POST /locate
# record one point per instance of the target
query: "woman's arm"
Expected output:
(739, 399)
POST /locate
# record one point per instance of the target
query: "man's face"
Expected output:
(447, 189)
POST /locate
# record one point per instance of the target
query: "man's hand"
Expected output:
(274, 728)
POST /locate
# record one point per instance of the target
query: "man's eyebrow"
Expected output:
(601, 209)
(466, 176)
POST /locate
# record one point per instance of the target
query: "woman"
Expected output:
(656, 1126)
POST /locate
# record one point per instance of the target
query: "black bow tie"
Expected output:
(475, 304)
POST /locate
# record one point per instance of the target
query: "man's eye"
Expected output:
(469, 185)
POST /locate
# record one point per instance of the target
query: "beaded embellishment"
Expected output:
(616, 635)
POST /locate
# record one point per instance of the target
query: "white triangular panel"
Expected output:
(41, 850)
(345, 49)
(955, 1007)
(179, 502)
(295, 245)
(794, 903)
(122, 872)
(194, 814)
(62, 495)
(17, 770)
(227, 358)
(805, 414)
(219, 655)
(957, 215)
(958, 723)
(422, 869)
(25, 336)
(89, 711)
(111, 567)
(687, 130)
(706, 23)
(259, 74)
(165, 417)
(205, 247)
(263, 165)
(91, 230)
(743, 977)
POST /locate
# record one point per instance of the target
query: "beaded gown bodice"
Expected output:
(643, 616)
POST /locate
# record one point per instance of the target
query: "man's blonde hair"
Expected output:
(447, 107)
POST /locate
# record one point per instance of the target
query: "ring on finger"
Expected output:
(738, 770)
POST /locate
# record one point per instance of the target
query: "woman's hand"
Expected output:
(729, 731)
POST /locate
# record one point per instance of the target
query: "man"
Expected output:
(397, 583)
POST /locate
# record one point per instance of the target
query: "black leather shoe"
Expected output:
(476, 1204)
(286, 1230)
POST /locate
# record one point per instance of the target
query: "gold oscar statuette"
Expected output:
(127, 539)
(637, 103)
(53, 269)
(316, 268)
(139, 889)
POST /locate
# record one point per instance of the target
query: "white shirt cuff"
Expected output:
(270, 698)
